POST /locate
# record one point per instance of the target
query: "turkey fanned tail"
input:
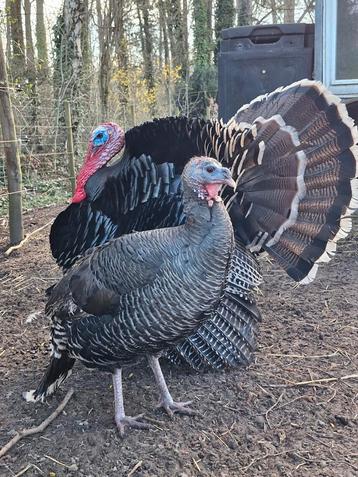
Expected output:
(296, 185)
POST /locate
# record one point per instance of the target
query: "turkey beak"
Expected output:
(227, 178)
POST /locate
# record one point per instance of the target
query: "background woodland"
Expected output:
(120, 60)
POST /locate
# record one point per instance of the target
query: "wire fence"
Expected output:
(42, 141)
(42, 145)
(41, 133)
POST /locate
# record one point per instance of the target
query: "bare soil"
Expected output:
(294, 412)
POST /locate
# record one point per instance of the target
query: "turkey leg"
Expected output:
(121, 419)
(166, 401)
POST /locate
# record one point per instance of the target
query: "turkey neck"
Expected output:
(202, 220)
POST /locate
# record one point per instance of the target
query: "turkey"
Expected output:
(292, 155)
(143, 292)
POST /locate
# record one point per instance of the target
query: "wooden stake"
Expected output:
(70, 148)
(13, 168)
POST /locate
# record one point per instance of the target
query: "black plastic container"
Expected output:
(254, 60)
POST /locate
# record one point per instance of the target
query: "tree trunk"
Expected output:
(244, 12)
(163, 37)
(224, 18)
(186, 38)
(203, 47)
(120, 40)
(289, 12)
(202, 34)
(85, 42)
(209, 8)
(17, 40)
(68, 61)
(13, 169)
(104, 35)
(274, 11)
(8, 29)
(30, 55)
(147, 46)
(41, 43)
(178, 33)
(120, 43)
(31, 74)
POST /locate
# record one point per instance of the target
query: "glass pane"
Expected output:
(347, 40)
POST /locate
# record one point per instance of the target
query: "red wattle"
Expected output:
(78, 196)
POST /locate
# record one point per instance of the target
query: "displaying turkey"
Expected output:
(143, 292)
(293, 158)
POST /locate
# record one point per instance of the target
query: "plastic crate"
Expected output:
(254, 60)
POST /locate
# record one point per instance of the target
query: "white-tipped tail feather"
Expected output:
(296, 178)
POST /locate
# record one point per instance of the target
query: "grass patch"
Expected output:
(43, 193)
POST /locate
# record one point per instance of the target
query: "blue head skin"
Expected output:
(100, 136)
(205, 176)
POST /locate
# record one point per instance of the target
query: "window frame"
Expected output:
(325, 46)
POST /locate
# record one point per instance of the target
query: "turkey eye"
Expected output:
(210, 169)
(99, 136)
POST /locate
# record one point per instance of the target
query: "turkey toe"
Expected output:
(172, 407)
(123, 422)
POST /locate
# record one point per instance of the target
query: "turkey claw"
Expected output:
(131, 421)
(172, 407)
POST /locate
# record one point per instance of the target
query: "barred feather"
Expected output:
(293, 155)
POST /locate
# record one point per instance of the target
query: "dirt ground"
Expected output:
(294, 412)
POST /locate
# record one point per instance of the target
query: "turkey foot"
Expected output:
(121, 419)
(171, 407)
(128, 421)
(166, 401)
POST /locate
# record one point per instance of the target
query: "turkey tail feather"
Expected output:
(296, 185)
(57, 371)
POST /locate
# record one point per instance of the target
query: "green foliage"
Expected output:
(57, 52)
(203, 81)
(224, 18)
(224, 15)
(45, 193)
(203, 45)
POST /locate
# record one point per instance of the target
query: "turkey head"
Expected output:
(105, 142)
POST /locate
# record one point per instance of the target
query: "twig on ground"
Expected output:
(313, 382)
(40, 428)
(273, 407)
(28, 467)
(136, 467)
(257, 459)
(28, 236)
(221, 440)
(62, 464)
(305, 396)
(196, 463)
(303, 356)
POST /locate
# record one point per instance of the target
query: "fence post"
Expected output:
(13, 167)
(70, 149)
